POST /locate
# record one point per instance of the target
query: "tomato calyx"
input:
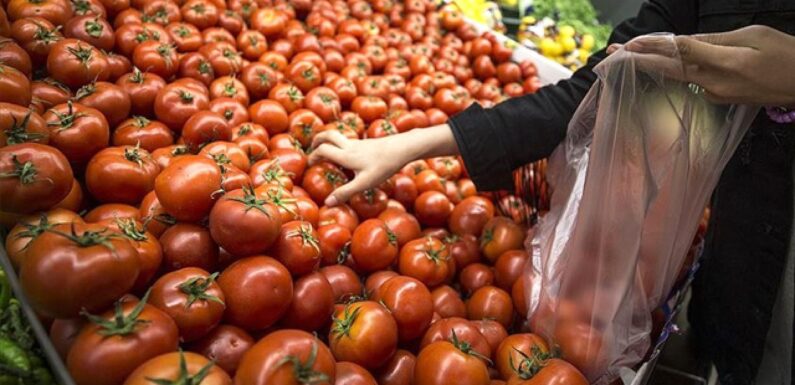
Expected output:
(196, 289)
(369, 195)
(530, 364)
(137, 76)
(93, 27)
(66, 120)
(277, 199)
(83, 54)
(34, 230)
(275, 172)
(244, 130)
(205, 68)
(230, 89)
(251, 201)
(344, 253)
(85, 91)
(163, 218)
(184, 377)
(466, 348)
(221, 160)
(391, 237)
(88, 238)
(18, 132)
(185, 96)
(303, 372)
(140, 121)
(129, 229)
(435, 255)
(165, 51)
(342, 326)
(294, 94)
(25, 172)
(180, 150)
(132, 154)
(308, 74)
(120, 324)
(198, 8)
(488, 236)
(181, 31)
(45, 35)
(81, 7)
(305, 232)
(335, 177)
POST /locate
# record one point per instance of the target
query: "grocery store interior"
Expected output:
(373, 192)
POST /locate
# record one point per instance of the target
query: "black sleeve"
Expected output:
(493, 142)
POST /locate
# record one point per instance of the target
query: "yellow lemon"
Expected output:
(587, 42)
(548, 47)
(568, 44)
(566, 31)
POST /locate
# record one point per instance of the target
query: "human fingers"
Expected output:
(330, 136)
(613, 48)
(359, 183)
(326, 151)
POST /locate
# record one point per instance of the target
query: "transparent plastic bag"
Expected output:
(643, 153)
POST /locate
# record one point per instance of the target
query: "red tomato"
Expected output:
(192, 298)
(405, 227)
(474, 276)
(334, 241)
(580, 344)
(244, 224)
(428, 180)
(75, 63)
(432, 208)
(447, 302)
(489, 302)
(119, 341)
(187, 187)
(466, 331)
(344, 282)
(150, 253)
(499, 235)
(78, 131)
(188, 245)
(242, 284)
(364, 333)
(440, 361)
(373, 246)
(349, 373)
(312, 304)
(341, 214)
(179, 366)
(509, 267)
(30, 227)
(465, 250)
(428, 260)
(511, 350)
(225, 345)
(494, 333)
(156, 57)
(530, 372)
(271, 115)
(304, 125)
(369, 108)
(140, 131)
(130, 167)
(369, 203)
(321, 179)
(290, 97)
(101, 267)
(111, 211)
(143, 89)
(34, 177)
(410, 303)
(259, 78)
(288, 357)
(399, 370)
(177, 102)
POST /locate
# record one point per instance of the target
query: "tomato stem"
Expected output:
(303, 372)
(342, 326)
(251, 201)
(25, 172)
(130, 230)
(120, 324)
(184, 377)
(466, 348)
(196, 289)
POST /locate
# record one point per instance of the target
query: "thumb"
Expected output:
(695, 51)
(346, 191)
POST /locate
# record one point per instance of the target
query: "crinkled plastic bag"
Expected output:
(643, 153)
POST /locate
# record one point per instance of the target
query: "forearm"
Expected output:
(428, 142)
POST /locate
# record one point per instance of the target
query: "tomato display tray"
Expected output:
(57, 367)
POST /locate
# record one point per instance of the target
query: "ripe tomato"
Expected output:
(447, 302)
(225, 345)
(369, 203)
(179, 366)
(156, 57)
(150, 253)
(475, 276)
(143, 89)
(55, 11)
(186, 36)
(271, 115)
(187, 187)
(78, 131)
(107, 98)
(252, 43)
(304, 125)
(91, 29)
(405, 227)
(34, 177)
(341, 214)
(531, 371)
(130, 167)
(289, 96)
(304, 75)
(440, 361)
(499, 235)
(192, 298)
(63, 333)
(344, 282)
(580, 344)
(334, 241)
(188, 245)
(489, 302)
(494, 333)
(399, 370)
(432, 208)
(230, 87)
(165, 155)
(119, 341)
(205, 127)
(509, 267)
(364, 333)
(403, 189)
(410, 303)
(110, 211)
(312, 303)
(100, 268)
(196, 66)
(428, 260)
(349, 373)
(30, 227)
(75, 63)
(465, 250)
(324, 102)
(428, 180)
(321, 179)
(511, 350)
(369, 108)
(259, 78)
(287, 357)
(178, 102)
(465, 331)
(297, 247)
(373, 246)
(243, 283)
(36, 36)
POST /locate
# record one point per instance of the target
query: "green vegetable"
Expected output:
(5, 290)
(13, 358)
(579, 14)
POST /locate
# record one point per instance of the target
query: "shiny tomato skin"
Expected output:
(138, 130)
(373, 246)
(554, 370)
(341, 214)
(156, 57)
(493, 331)
(192, 298)
(297, 247)
(63, 333)
(78, 131)
(121, 174)
(204, 127)
(509, 267)
(471, 215)
(440, 361)
(271, 115)
(143, 89)
(433, 208)
(97, 273)
(243, 224)
(321, 179)
(120, 355)
(186, 188)
(475, 276)
(442, 330)
(369, 203)
(427, 260)
(271, 360)
(465, 250)
(175, 103)
(369, 108)
(227, 154)
(168, 367)
(225, 345)
(349, 373)
(343, 280)
(30, 227)
(258, 292)
(404, 225)
(364, 333)
(188, 245)
(75, 63)
(399, 370)
(499, 235)
(489, 302)
(447, 302)
(410, 303)
(508, 350)
(111, 211)
(36, 177)
(312, 304)
(334, 241)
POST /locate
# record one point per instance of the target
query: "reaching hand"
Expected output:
(752, 65)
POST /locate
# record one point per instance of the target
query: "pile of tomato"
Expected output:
(166, 226)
